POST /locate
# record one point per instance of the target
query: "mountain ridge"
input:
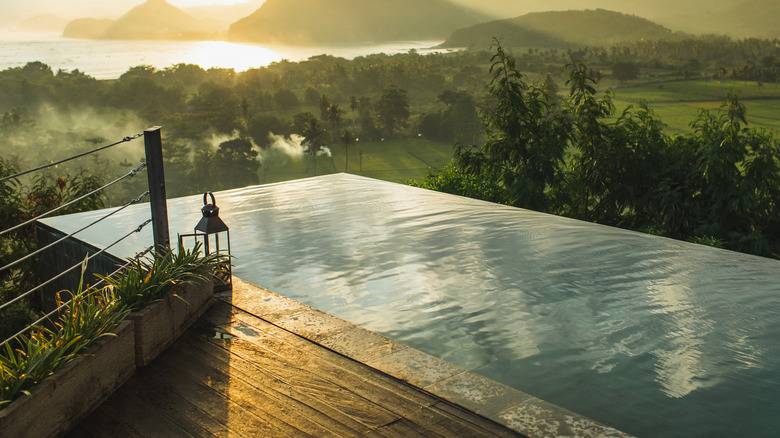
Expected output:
(348, 21)
(559, 29)
(152, 20)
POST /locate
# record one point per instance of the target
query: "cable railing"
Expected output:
(62, 239)
(130, 174)
(159, 220)
(46, 166)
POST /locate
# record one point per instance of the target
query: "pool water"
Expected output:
(652, 336)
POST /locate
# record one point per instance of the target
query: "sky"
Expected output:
(21, 9)
(14, 11)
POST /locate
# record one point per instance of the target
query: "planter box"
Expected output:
(60, 403)
(159, 324)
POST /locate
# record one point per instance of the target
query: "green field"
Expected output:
(395, 160)
(678, 103)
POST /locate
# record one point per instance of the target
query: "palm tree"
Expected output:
(324, 106)
(347, 138)
(333, 115)
(314, 138)
(354, 105)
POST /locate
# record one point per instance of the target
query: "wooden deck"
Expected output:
(234, 374)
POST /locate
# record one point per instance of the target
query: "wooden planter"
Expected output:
(159, 324)
(60, 403)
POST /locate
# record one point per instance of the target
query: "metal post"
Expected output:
(157, 198)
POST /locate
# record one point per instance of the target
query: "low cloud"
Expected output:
(282, 150)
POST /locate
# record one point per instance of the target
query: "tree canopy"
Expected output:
(718, 184)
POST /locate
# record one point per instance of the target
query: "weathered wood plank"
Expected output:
(142, 419)
(289, 347)
(248, 372)
(268, 381)
(235, 416)
(308, 379)
(156, 393)
(361, 380)
(403, 428)
(100, 424)
(225, 379)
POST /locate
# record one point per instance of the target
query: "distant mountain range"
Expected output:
(747, 18)
(153, 20)
(309, 21)
(461, 22)
(650, 9)
(561, 29)
(43, 23)
(225, 13)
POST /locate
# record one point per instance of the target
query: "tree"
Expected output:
(625, 71)
(264, 125)
(324, 105)
(311, 96)
(19, 204)
(177, 163)
(526, 136)
(588, 134)
(334, 116)
(347, 138)
(393, 109)
(315, 137)
(236, 163)
(285, 99)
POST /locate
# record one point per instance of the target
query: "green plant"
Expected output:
(146, 280)
(87, 317)
(709, 241)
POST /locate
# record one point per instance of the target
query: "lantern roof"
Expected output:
(210, 223)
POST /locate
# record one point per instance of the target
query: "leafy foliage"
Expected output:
(146, 280)
(525, 135)
(718, 184)
(91, 314)
(19, 204)
(81, 321)
(393, 109)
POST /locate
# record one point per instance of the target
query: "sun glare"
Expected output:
(190, 3)
(240, 57)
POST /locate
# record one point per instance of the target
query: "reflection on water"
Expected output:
(652, 336)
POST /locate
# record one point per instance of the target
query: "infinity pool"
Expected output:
(652, 336)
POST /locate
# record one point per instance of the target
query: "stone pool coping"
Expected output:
(507, 406)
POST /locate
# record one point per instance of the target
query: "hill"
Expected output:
(747, 18)
(655, 9)
(225, 13)
(153, 20)
(43, 23)
(340, 21)
(87, 28)
(559, 29)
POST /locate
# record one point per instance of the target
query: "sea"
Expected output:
(109, 59)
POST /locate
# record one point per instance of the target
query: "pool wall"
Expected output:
(63, 256)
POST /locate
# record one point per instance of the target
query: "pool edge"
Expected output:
(502, 404)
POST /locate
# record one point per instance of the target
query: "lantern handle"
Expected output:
(213, 201)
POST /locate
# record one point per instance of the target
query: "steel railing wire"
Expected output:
(61, 274)
(47, 317)
(46, 166)
(152, 146)
(130, 174)
(40, 250)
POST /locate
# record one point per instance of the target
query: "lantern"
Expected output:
(215, 235)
